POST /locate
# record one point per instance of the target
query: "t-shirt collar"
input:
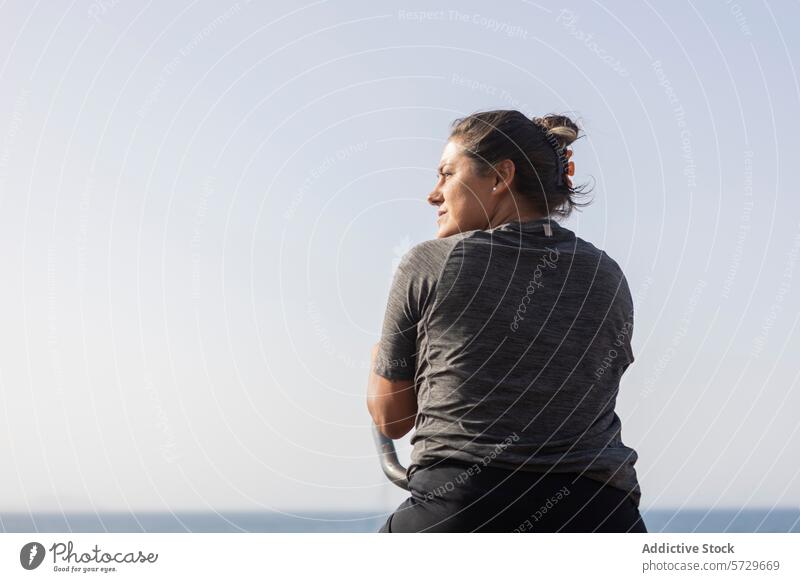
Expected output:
(546, 225)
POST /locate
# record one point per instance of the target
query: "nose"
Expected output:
(435, 198)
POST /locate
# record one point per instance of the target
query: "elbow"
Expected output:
(390, 427)
(396, 429)
(392, 405)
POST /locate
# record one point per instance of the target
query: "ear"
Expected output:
(504, 175)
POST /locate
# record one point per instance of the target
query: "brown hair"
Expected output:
(489, 137)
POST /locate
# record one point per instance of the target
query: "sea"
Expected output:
(657, 520)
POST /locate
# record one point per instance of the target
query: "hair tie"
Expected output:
(566, 168)
(570, 168)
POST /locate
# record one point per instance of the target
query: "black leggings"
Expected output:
(451, 497)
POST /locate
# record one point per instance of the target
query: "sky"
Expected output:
(202, 204)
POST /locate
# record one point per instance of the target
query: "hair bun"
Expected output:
(559, 126)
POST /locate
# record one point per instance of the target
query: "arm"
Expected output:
(391, 390)
(391, 403)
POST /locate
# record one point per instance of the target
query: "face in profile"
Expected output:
(463, 196)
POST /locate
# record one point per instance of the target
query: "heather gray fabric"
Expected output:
(517, 341)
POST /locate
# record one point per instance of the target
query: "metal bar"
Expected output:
(388, 457)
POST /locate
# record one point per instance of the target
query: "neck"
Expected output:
(515, 213)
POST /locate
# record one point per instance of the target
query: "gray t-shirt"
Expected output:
(517, 337)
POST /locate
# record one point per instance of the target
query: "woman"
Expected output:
(503, 344)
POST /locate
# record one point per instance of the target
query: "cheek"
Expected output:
(459, 198)
(463, 203)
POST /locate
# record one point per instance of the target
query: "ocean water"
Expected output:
(657, 520)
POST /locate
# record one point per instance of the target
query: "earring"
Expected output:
(495, 188)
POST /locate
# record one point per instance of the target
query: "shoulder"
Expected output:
(615, 279)
(430, 255)
(606, 262)
(604, 268)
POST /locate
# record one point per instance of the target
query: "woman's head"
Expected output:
(500, 166)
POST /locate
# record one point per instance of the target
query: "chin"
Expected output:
(449, 227)
(445, 230)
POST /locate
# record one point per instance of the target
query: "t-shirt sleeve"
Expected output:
(625, 334)
(412, 287)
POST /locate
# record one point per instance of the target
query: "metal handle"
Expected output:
(388, 456)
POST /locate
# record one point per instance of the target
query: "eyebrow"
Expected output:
(441, 166)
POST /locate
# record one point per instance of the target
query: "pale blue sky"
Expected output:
(202, 204)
